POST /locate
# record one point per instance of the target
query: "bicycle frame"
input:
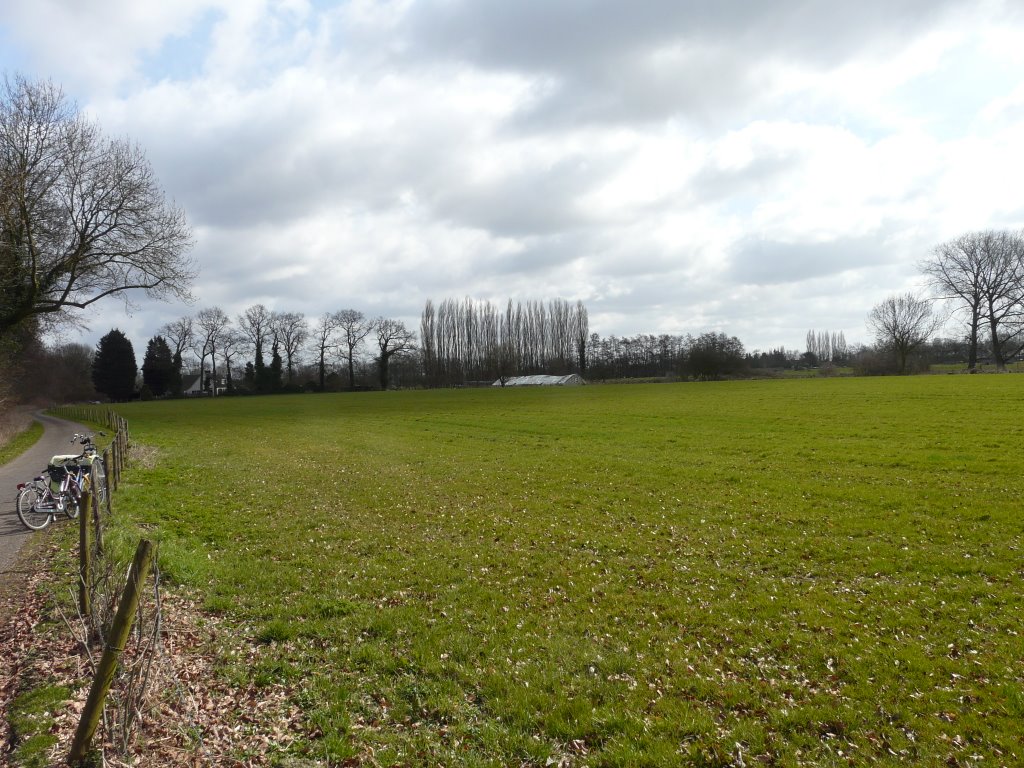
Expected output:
(64, 499)
(38, 501)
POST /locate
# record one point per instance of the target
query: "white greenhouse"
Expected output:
(572, 380)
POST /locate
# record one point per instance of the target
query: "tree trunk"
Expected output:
(213, 365)
(997, 351)
(972, 347)
(901, 353)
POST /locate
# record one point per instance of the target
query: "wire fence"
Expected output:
(119, 621)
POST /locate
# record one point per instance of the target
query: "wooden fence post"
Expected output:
(106, 477)
(116, 641)
(116, 461)
(94, 508)
(84, 559)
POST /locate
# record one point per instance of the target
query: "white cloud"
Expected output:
(94, 44)
(757, 169)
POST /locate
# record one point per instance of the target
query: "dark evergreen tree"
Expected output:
(175, 387)
(275, 379)
(259, 372)
(158, 367)
(114, 368)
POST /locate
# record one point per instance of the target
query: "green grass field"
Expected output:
(803, 572)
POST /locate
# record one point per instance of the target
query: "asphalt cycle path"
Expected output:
(56, 439)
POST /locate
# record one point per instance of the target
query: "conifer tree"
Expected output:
(114, 368)
(158, 367)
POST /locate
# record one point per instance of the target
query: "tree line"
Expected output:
(263, 351)
(710, 355)
(475, 341)
(980, 275)
(826, 347)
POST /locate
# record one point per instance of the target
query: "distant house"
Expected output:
(190, 385)
(572, 380)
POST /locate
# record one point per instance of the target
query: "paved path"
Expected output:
(56, 439)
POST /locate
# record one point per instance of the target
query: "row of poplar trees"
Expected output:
(471, 341)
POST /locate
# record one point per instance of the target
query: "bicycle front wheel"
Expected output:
(32, 507)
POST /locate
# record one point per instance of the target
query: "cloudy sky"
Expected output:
(759, 168)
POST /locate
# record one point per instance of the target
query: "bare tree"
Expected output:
(211, 326)
(255, 323)
(508, 349)
(82, 217)
(393, 338)
(428, 341)
(354, 329)
(1002, 290)
(62, 373)
(322, 342)
(903, 323)
(956, 271)
(232, 343)
(982, 274)
(580, 335)
(291, 332)
(178, 335)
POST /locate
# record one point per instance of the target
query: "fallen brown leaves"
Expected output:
(31, 655)
(191, 715)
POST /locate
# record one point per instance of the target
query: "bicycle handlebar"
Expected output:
(87, 440)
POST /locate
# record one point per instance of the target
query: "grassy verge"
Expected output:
(32, 724)
(20, 442)
(799, 572)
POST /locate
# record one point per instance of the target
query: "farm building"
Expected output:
(573, 379)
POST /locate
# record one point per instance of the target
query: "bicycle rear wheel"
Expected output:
(72, 505)
(101, 479)
(33, 507)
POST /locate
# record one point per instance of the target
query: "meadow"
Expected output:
(792, 572)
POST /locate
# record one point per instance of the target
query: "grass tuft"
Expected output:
(32, 724)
